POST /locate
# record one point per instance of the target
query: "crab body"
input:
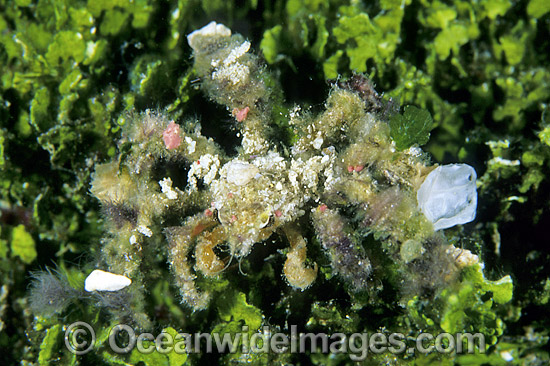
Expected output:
(342, 158)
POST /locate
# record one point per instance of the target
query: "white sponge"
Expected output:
(100, 280)
(212, 29)
(448, 196)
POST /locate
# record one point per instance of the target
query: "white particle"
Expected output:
(506, 356)
(145, 230)
(166, 187)
(191, 144)
(317, 143)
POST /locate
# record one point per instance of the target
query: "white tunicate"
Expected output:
(448, 196)
(100, 280)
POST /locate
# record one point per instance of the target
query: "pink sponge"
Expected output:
(171, 136)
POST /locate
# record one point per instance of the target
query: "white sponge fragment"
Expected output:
(100, 280)
(212, 29)
(448, 196)
(166, 187)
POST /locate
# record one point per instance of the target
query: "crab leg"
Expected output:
(297, 274)
(180, 239)
(207, 261)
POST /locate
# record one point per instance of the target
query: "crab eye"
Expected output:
(223, 216)
(265, 220)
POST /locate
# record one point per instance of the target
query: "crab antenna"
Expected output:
(227, 265)
(240, 269)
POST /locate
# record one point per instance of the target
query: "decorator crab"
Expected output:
(291, 166)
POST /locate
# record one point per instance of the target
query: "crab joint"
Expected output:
(207, 261)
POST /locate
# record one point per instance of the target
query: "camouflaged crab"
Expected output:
(344, 157)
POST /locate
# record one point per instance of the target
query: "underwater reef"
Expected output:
(249, 169)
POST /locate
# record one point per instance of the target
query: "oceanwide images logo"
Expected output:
(80, 339)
